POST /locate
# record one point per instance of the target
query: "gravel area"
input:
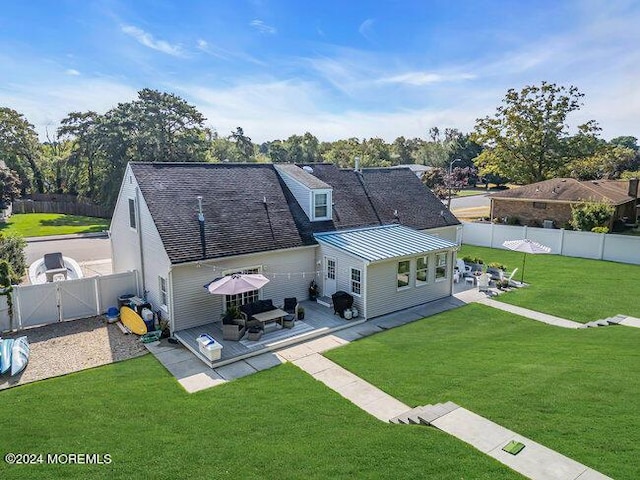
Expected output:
(72, 346)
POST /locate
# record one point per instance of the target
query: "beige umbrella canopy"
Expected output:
(236, 283)
(525, 246)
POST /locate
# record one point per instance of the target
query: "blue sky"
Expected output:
(335, 68)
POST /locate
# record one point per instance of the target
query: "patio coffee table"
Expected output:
(271, 316)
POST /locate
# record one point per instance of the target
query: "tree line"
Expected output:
(527, 140)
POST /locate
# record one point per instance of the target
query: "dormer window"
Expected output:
(321, 205)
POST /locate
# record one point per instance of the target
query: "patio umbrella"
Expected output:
(525, 246)
(236, 283)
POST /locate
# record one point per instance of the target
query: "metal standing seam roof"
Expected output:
(385, 242)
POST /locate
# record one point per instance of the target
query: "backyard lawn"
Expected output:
(279, 423)
(573, 288)
(575, 391)
(42, 224)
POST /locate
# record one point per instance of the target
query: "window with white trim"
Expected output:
(132, 213)
(404, 268)
(422, 271)
(162, 286)
(356, 281)
(441, 266)
(320, 205)
(242, 298)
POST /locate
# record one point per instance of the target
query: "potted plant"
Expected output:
(231, 316)
(314, 290)
(164, 327)
(300, 312)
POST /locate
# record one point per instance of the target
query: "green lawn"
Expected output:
(42, 224)
(575, 391)
(470, 192)
(278, 423)
(574, 288)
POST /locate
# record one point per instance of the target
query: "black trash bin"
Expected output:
(341, 301)
(123, 300)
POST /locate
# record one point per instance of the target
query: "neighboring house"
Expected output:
(416, 168)
(361, 232)
(549, 203)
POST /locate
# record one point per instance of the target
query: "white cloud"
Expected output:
(149, 41)
(72, 72)
(202, 44)
(263, 28)
(419, 79)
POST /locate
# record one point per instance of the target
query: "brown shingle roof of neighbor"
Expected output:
(571, 190)
(236, 219)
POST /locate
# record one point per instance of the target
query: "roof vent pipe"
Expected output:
(357, 164)
(201, 222)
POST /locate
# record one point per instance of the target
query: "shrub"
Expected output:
(589, 215)
(12, 250)
(513, 221)
(600, 229)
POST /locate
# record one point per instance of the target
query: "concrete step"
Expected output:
(326, 301)
(429, 414)
(617, 319)
(405, 418)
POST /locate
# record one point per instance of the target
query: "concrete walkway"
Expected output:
(630, 322)
(534, 461)
(532, 314)
(369, 398)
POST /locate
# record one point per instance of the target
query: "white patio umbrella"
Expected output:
(526, 246)
(237, 283)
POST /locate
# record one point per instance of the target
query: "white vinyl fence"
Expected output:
(67, 300)
(600, 246)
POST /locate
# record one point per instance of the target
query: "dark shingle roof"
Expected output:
(399, 189)
(236, 220)
(571, 190)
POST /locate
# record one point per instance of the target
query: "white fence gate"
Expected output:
(68, 300)
(600, 246)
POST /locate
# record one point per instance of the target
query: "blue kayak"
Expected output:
(5, 355)
(19, 355)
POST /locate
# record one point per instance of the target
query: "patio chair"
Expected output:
(483, 283)
(291, 306)
(510, 281)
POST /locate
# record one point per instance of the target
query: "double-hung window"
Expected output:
(321, 205)
(132, 213)
(422, 270)
(441, 266)
(356, 281)
(404, 269)
(162, 284)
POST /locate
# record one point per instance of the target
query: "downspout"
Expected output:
(140, 246)
(170, 299)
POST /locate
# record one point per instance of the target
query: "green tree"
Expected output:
(401, 151)
(526, 140)
(243, 145)
(20, 148)
(626, 141)
(609, 162)
(591, 215)
(9, 185)
(12, 250)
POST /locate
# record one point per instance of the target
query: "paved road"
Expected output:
(80, 249)
(470, 202)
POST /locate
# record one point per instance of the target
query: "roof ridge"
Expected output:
(361, 229)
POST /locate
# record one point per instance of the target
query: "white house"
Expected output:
(378, 234)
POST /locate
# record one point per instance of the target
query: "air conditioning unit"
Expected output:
(547, 223)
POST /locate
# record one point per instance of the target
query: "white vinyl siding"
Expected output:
(356, 281)
(245, 297)
(344, 264)
(301, 192)
(193, 305)
(441, 267)
(382, 291)
(125, 242)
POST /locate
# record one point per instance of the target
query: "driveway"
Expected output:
(87, 249)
